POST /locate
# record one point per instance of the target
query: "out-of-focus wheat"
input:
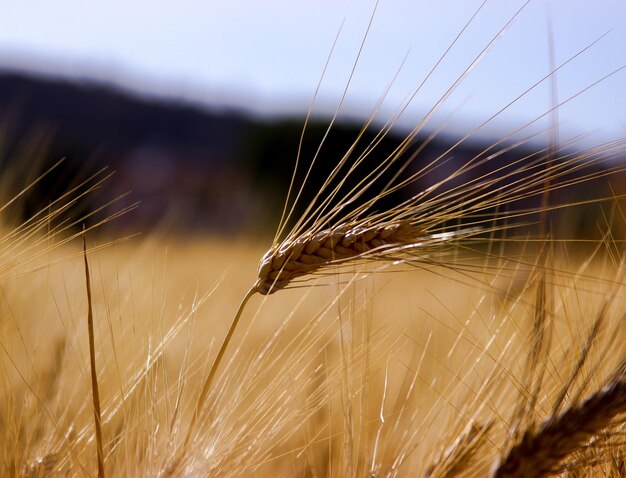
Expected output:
(540, 451)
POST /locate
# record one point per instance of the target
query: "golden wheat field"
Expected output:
(453, 334)
(376, 372)
(402, 373)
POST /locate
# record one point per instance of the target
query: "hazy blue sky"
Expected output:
(266, 56)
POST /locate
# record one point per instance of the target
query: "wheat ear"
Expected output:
(539, 451)
(312, 252)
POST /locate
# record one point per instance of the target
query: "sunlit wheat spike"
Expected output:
(310, 253)
(428, 219)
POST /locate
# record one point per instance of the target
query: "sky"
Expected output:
(266, 57)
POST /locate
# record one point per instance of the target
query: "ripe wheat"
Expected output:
(310, 253)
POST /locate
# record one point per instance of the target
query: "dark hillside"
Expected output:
(190, 167)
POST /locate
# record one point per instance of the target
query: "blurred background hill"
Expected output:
(191, 168)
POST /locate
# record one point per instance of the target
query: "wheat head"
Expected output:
(310, 253)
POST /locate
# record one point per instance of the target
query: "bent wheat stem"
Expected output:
(216, 363)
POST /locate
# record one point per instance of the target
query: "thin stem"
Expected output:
(209, 380)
